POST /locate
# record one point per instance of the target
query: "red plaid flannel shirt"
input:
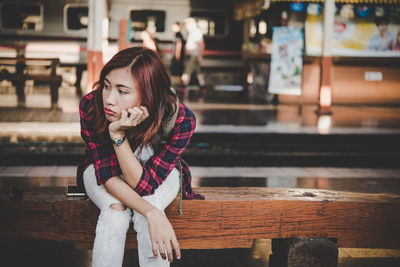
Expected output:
(157, 168)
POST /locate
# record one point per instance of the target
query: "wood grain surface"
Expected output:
(228, 218)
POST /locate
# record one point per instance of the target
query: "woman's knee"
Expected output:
(172, 182)
(117, 206)
(116, 217)
(167, 191)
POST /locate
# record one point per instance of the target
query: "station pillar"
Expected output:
(325, 90)
(124, 34)
(97, 39)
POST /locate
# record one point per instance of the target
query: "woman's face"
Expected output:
(120, 92)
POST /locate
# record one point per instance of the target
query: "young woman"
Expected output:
(131, 106)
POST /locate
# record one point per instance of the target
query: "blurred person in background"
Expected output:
(148, 41)
(383, 39)
(135, 131)
(194, 49)
(179, 50)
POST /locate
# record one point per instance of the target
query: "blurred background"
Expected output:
(299, 94)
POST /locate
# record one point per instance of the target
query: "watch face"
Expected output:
(119, 141)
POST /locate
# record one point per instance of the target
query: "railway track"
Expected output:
(240, 149)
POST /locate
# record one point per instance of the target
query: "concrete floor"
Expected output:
(43, 254)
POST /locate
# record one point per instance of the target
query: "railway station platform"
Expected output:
(235, 144)
(227, 134)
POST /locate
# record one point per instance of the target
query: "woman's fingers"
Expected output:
(175, 246)
(169, 251)
(162, 236)
(132, 117)
(161, 249)
(154, 247)
(146, 113)
(124, 115)
(139, 114)
(136, 116)
(165, 249)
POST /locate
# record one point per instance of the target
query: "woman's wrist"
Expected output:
(115, 136)
(152, 213)
(115, 131)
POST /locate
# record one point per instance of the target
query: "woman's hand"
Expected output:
(162, 235)
(129, 118)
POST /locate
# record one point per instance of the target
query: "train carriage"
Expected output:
(59, 29)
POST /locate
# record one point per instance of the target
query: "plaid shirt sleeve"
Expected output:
(158, 167)
(103, 159)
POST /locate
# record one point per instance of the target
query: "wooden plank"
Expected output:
(53, 62)
(228, 218)
(36, 77)
(18, 78)
(29, 59)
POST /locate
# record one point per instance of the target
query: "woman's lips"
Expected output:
(109, 111)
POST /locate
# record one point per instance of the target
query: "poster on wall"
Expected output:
(286, 60)
(362, 30)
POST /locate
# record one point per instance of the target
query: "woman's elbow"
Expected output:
(111, 183)
(133, 178)
(132, 184)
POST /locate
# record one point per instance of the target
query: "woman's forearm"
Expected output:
(130, 166)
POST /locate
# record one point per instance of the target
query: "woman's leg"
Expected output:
(161, 198)
(112, 225)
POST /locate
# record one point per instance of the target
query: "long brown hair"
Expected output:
(154, 85)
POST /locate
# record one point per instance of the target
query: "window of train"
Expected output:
(152, 20)
(211, 23)
(21, 16)
(258, 28)
(76, 17)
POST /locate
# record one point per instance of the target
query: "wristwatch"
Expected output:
(119, 141)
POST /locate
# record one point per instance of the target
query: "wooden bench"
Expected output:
(228, 218)
(20, 76)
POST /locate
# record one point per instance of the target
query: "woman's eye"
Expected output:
(123, 92)
(106, 86)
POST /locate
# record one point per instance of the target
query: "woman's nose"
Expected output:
(111, 97)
